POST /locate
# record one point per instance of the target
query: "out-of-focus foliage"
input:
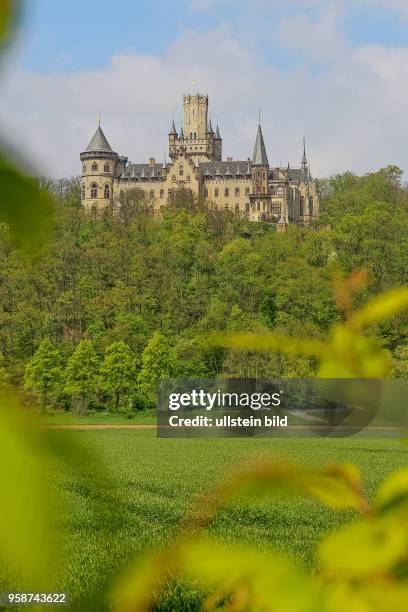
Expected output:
(27, 531)
(8, 15)
(363, 566)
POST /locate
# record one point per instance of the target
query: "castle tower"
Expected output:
(195, 116)
(173, 141)
(218, 145)
(98, 171)
(259, 167)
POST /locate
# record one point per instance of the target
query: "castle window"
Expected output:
(236, 207)
(247, 206)
(264, 175)
(83, 192)
(258, 174)
(263, 189)
(226, 206)
(94, 190)
(264, 205)
(181, 171)
(106, 192)
(258, 190)
(152, 194)
(206, 192)
(173, 178)
(237, 192)
(258, 206)
(280, 191)
(226, 192)
(94, 167)
(83, 168)
(216, 192)
(246, 191)
(106, 168)
(188, 177)
(161, 194)
(302, 206)
(276, 208)
(311, 205)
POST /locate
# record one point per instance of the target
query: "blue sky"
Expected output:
(334, 71)
(58, 34)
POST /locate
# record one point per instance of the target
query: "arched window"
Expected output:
(83, 192)
(311, 205)
(280, 191)
(106, 192)
(84, 168)
(106, 168)
(188, 177)
(302, 206)
(174, 178)
(94, 167)
(94, 190)
(181, 171)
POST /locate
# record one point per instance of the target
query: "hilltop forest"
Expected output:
(120, 299)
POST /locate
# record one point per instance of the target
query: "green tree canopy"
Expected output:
(118, 371)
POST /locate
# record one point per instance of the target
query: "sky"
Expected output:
(332, 71)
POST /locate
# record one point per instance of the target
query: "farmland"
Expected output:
(154, 480)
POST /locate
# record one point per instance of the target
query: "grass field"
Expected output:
(154, 481)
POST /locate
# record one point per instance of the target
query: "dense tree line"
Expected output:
(123, 298)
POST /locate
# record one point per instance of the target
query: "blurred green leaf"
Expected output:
(267, 342)
(380, 308)
(24, 207)
(26, 527)
(364, 548)
(393, 493)
(6, 14)
(350, 355)
(247, 579)
(338, 486)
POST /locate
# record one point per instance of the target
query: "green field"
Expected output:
(154, 481)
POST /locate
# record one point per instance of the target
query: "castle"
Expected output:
(251, 187)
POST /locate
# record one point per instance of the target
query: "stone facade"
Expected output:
(248, 187)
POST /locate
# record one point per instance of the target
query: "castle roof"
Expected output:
(99, 142)
(217, 134)
(173, 129)
(143, 171)
(223, 168)
(259, 157)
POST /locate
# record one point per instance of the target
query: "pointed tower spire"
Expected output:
(173, 130)
(99, 142)
(210, 128)
(181, 133)
(217, 134)
(259, 157)
(304, 158)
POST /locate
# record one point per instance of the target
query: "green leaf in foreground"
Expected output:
(24, 207)
(7, 11)
(26, 525)
(393, 492)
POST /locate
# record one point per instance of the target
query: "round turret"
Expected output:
(98, 172)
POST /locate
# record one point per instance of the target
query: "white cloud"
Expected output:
(351, 110)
